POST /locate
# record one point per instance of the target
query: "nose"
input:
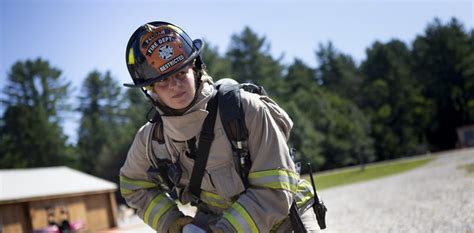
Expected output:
(176, 82)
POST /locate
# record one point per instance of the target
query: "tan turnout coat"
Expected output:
(274, 183)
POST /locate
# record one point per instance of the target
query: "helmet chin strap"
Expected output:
(157, 104)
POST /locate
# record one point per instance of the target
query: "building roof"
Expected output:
(32, 183)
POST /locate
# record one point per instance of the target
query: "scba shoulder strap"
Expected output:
(204, 145)
(233, 120)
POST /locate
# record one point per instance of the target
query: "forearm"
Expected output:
(259, 209)
(153, 206)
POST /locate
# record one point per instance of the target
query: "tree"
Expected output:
(251, 62)
(100, 126)
(443, 64)
(330, 130)
(137, 110)
(393, 100)
(217, 66)
(337, 72)
(31, 135)
(305, 138)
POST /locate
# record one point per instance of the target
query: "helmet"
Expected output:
(157, 50)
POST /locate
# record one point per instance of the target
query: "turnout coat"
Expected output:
(273, 180)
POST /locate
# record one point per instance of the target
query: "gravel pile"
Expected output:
(437, 197)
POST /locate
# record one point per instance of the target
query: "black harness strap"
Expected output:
(233, 120)
(204, 145)
(192, 148)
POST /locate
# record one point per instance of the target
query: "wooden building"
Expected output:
(30, 199)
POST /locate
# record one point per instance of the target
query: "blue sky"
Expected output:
(78, 36)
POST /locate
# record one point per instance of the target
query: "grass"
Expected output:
(353, 175)
(469, 168)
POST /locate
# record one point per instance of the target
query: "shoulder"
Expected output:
(143, 132)
(251, 101)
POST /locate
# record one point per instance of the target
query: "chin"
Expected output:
(181, 106)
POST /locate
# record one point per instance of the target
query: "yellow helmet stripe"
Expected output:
(131, 57)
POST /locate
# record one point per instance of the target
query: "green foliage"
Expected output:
(330, 131)
(392, 98)
(30, 134)
(304, 135)
(444, 65)
(136, 108)
(251, 62)
(337, 72)
(100, 126)
(217, 66)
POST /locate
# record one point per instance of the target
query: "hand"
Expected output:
(191, 228)
(178, 224)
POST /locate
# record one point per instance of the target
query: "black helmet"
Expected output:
(157, 50)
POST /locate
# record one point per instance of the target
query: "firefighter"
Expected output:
(166, 64)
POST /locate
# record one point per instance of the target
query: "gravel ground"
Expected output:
(437, 197)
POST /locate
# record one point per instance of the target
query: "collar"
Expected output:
(188, 125)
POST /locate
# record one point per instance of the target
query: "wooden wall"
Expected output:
(38, 210)
(98, 211)
(14, 218)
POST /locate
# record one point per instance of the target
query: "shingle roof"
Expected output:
(17, 184)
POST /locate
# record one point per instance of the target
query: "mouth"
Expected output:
(179, 95)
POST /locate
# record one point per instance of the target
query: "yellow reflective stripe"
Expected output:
(140, 183)
(214, 200)
(280, 185)
(157, 207)
(129, 186)
(259, 174)
(233, 222)
(240, 219)
(126, 191)
(276, 179)
(131, 57)
(211, 195)
(304, 194)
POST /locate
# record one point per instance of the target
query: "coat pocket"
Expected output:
(226, 181)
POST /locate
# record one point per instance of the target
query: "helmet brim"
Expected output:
(198, 44)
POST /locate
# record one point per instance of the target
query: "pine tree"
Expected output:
(31, 135)
(100, 126)
(443, 64)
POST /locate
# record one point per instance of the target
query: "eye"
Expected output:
(163, 83)
(163, 80)
(180, 75)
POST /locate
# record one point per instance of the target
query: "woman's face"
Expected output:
(178, 90)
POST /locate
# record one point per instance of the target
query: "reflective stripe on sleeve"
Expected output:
(304, 193)
(157, 207)
(215, 200)
(128, 186)
(240, 219)
(275, 179)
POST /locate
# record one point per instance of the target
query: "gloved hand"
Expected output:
(191, 228)
(178, 224)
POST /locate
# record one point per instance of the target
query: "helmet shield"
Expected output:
(157, 50)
